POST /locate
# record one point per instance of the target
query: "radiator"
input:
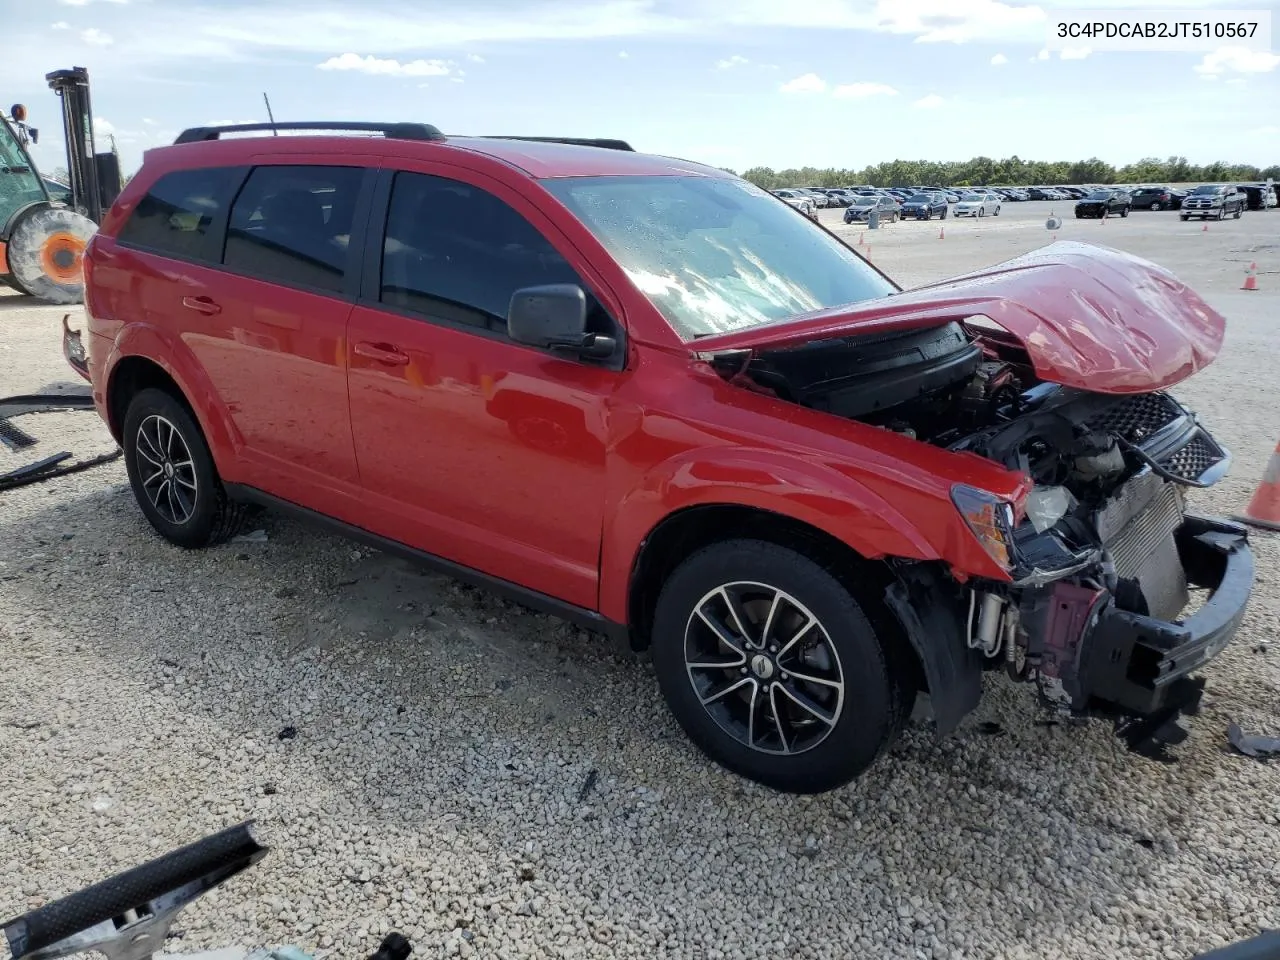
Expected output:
(1136, 526)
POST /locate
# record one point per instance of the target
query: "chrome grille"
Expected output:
(1137, 417)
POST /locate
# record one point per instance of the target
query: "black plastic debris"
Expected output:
(587, 786)
(288, 733)
(990, 728)
(1252, 745)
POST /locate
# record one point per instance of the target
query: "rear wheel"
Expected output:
(1236, 215)
(1124, 212)
(1157, 205)
(173, 475)
(46, 254)
(773, 669)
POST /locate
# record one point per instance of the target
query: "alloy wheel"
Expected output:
(166, 468)
(764, 668)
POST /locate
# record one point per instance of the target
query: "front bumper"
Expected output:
(1132, 660)
(1099, 652)
(1201, 211)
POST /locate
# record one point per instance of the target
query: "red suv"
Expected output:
(647, 396)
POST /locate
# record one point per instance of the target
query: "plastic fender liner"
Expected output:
(927, 604)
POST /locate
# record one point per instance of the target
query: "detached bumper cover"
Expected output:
(1132, 661)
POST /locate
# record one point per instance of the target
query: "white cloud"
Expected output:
(1042, 55)
(475, 58)
(808, 83)
(731, 62)
(60, 25)
(999, 60)
(150, 123)
(623, 55)
(85, 3)
(929, 102)
(1237, 82)
(1074, 53)
(456, 80)
(857, 91)
(103, 127)
(958, 21)
(1237, 60)
(388, 68)
(95, 37)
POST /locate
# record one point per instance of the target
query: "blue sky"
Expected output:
(734, 83)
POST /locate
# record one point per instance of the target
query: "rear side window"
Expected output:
(175, 216)
(293, 225)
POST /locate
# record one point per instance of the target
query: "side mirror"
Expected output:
(554, 317)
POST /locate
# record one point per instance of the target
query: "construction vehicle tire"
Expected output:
(46, 254)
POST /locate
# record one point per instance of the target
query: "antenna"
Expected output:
(270, 115)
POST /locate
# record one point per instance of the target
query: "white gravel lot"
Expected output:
(496, 783)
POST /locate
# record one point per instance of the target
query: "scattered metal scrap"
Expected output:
(16, 439)
(1251, 744)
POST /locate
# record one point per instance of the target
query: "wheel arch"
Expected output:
(685, 531)
(144, 356)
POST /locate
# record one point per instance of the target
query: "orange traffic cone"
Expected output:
(1205, 228)
(1264, 509)
(868, 251)
(859, 239)
(1251, 277)
(942, 233)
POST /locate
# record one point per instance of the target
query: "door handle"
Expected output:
(204, 305)
(382, 353)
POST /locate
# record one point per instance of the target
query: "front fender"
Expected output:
(786, 484)
(176, 359)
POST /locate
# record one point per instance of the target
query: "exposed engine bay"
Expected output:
(1104, 534)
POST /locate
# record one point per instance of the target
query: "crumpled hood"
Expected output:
(1088, 316)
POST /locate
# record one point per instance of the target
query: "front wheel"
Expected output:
(1124, 212)
(172, 473)
(1222, 213)
(997, 211)
(1236, 215)
(1157, 206)
(772, 668)
(1184, 218)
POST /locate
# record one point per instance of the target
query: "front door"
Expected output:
(470, 446)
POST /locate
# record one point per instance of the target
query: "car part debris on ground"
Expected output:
(1251, 744)
(18, 439)
(129, 916)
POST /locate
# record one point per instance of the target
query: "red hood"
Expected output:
(1088, 316)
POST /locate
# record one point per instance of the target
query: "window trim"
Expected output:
(353, 268)
(217, 226)
(370, 292)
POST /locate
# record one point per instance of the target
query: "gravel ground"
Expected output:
(491, 782)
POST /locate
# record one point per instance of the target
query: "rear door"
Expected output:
(470, 446)
(271, 331)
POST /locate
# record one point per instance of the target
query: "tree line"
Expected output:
(1011, 172)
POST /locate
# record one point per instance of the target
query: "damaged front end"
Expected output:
(1055, 366)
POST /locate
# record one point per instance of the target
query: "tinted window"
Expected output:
(456, 252)
(293, 224)
(921, 198)
(175, 215)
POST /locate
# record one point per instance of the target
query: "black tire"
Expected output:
(866, 713)
(1236, 215)
(1222, 213)
(1157, 206)
(186, 517)
(1124, 212)
(1184, 218)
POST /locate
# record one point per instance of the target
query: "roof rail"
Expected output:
(605, 143)
(392, 131)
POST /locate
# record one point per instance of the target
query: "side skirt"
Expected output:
(579, 616)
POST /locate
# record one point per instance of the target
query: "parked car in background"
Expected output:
(837, 197)
(819, 198)
(1155, 198)
(798, 201)
(977, 203)
(1040, 193)
(888, 208)
(1213, 201)
(1260, 196)
(812, 496)
(1073, 192)
(924, 206)
(1103, 203)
